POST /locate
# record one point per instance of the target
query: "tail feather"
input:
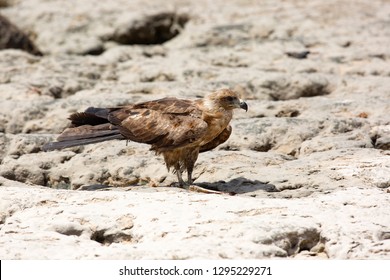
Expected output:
(99, 112)
(88, 127)
(79, 142)
(88, 131)
(91, 116)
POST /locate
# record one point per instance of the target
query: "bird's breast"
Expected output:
(216, 124)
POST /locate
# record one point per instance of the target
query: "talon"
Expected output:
(196, 188)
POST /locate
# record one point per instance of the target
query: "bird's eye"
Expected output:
(229, 98)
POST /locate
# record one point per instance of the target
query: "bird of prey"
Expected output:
(179, 129)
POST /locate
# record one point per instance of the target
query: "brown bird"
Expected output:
(179, 129)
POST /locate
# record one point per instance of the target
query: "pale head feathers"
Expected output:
(223, 99)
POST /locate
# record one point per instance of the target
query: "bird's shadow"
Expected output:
(239, 185)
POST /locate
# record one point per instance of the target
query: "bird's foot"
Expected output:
(195, 188)
(199, 189)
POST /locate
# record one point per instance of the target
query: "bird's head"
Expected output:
(227, 99)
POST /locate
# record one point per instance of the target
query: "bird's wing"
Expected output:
(166, 123)
(171, 105)
(221, 138)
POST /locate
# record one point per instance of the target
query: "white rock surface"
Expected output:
(162, 223)
(309, 162)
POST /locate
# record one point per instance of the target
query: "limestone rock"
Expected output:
(13, 38)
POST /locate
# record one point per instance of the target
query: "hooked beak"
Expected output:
(243, 105)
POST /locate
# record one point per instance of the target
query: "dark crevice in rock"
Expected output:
(13, 38)
(263, 147)
(99, 237)
(381, 143)
(97, 50)
(3, 218)
(24, 175)
(230, 148)
(383, 235)
(288, 88)
(374, 138)
(4, 4)
(296, 242)
(154, 29)
(70, 231)
(45, 179)
(287, 113)
(298, 55)
(102, 237)
(314, 89)
(54, 91)
(10, 175)
(63, 183)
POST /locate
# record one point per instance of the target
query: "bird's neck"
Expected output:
(213, 113)
(211, 106)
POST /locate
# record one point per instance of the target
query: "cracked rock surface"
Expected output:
(309, 163)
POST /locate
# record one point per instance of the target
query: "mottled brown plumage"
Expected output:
(178, 129)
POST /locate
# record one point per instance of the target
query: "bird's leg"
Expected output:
(189, 186)
(182, 184)
(189, 172)
(189, 163)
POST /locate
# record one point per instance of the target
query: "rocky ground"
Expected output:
(309, 162)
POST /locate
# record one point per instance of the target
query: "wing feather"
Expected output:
(166, 123)
(221, 138)
(171, 105)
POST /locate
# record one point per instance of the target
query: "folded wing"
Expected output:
(165, 124)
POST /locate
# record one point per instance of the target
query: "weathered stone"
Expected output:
(13, 38)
